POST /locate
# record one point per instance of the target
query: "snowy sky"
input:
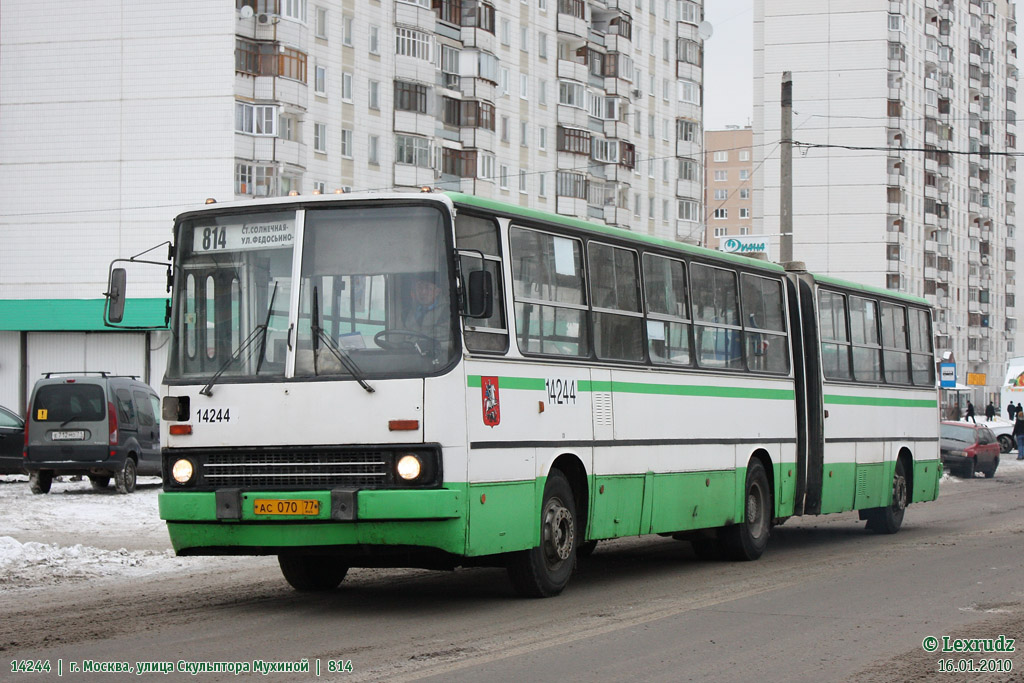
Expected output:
(728, 64)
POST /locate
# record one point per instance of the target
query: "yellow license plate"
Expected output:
(296, 506)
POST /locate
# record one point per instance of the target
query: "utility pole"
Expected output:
(786, 172)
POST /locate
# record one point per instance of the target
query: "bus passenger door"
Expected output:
(810, 405)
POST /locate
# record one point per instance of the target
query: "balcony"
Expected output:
(572, 18)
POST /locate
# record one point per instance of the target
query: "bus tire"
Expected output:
(311, 573)
(746, 541)
(544, 571)
(126, 477)
(888, 520)
(40, 481)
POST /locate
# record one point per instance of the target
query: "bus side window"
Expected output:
(481, 234)
(867, 362)
(835, 337)
(668, 311)
(766, 342)
(717, 318)
(547, 283)
(615, 286)
(894, 343)
(922, 368)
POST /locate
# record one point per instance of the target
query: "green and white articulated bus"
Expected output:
(439, 380)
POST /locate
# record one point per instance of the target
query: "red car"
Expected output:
(967, 448)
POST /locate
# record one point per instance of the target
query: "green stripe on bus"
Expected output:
(877, 401)
(537, 384)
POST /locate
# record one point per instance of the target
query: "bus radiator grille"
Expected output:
(324, 469)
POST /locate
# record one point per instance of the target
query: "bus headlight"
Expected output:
(409, 467)
(182, 471)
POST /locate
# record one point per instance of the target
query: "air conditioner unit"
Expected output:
(263, 18)
(635, 92)
(984, 260)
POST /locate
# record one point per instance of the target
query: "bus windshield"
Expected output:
(374, 295)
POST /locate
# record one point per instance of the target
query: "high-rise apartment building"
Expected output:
(727, 185)
(904, 117)
(117, 115)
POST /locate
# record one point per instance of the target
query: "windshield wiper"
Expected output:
(68, 421)
(341, 354)
(259, 331)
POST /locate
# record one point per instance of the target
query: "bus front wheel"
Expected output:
(311, 573)
(543, 572)
(747, 540)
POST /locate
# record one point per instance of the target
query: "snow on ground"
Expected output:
(77, 534)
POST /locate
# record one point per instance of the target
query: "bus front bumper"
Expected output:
(233, 520)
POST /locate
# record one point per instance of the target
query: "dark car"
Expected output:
(967, 448)
(12, 442)
(95, 424)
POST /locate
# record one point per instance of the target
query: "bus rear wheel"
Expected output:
(311, 573)
(544, 571)
(888, 520)
(747, 540)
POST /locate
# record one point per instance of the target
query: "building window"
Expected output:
(318, 187)
(254, 180)
(320, 81)
(410, 97)
(744, 155)
(574, 140)
(294, 9)
(412, 150)
(542, 92)
(689, 92)
(722, 156)
(269, 59)
(721, 176)
(542, 141)
(721, 214)
(744, 174)
(347, 22)
(569, 184)
(721, 232)
(485, 166)
(346, 87)
(503, 177)
(524, 137)
(504, 128)
(321, 23)
(449, 67)
(411, 43)
(346, 143)
(572, 94)
(374, 95)
(522, 181)
(461, 163)
(721, 195)
(745, 193)
(320, 137)
(255, 119)
(895, 22)
(689, 169)
(524, 86)
(686, 210)
(375, 40)
(744, 229)
(687, 131)
(373, 150)
(744, 213)
(288, 128)
(542, 45)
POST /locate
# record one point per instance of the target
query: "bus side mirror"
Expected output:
(481, 295)
(115, 295)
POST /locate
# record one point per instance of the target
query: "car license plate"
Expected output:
(294, 506)
(74, 435)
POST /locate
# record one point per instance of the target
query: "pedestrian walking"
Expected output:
(970, 412)
(1011, 410)
(1018, 434)
(990, 412)
(1018, 409)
